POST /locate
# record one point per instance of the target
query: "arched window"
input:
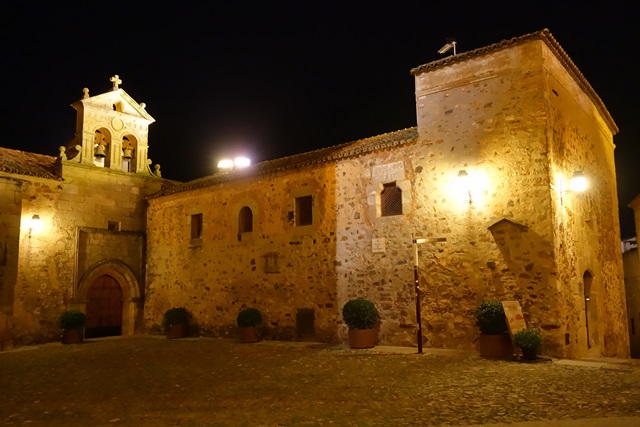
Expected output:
(390, 200)
(245, 220)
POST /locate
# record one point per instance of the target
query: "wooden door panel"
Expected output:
(104, 306)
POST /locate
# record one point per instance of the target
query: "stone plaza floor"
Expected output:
(152, 381)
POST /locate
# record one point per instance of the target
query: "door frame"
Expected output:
(131, 295)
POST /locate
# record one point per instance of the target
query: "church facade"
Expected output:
(72, 228)
(483, 179)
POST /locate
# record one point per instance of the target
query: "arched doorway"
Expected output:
(104, 307)
(591, 314)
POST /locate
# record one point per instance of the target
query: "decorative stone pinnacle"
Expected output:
(116, 81)
(85, 91)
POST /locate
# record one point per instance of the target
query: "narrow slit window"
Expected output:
(245, 220)
(304, 210)
(390, 200)
(196, 226)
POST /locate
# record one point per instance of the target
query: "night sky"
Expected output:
(271, 79)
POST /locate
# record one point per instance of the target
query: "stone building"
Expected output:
(298, 236)
(72, 228)
(631, 262)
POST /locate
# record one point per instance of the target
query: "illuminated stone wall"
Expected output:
(277, 268)
(73, 240)
(519, 124)
(10, 208)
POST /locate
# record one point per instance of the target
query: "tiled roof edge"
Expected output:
(315, 157)
(544, 35)
(45, 165)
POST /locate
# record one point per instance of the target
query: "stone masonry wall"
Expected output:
(47, 270)
(10, 210)
(485, 116)
(586, 224)
(277, 268)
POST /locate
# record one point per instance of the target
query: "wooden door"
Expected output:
(104, 308)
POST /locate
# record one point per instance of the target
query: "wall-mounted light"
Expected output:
(464, 182)
(34, 224)
(578, 182)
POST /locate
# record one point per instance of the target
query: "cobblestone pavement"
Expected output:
(152, 381)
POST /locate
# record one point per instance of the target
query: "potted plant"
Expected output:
(361, 317)
(72, 324)
(529, 341)
(494, 340)
(248, 321)
(175, 323)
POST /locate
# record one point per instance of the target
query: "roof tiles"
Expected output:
(25, 163)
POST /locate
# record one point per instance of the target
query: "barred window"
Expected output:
(390, 200)
(245, 220)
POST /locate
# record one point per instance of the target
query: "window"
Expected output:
(390, 200)
(271, 263)
(196, 226)
(304, 215)
(113, 225)
(245, 220)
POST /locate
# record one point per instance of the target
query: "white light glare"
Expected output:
(225, 164)
(241, 162)
(237, 163)
(578, 182)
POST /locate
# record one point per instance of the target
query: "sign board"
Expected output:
(377, 245)
(388, 172)
(515, 318)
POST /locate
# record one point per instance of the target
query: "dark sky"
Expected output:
(277, 78)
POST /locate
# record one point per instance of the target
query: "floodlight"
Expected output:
(447, 47)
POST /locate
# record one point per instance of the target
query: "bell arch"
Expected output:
(102, 148)
(129, 153)
(131, 295)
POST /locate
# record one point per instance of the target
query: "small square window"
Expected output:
(196, 226)
(271, 263)
(304, 210)
(113, 225)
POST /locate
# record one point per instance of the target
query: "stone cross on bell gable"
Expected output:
(116, 81)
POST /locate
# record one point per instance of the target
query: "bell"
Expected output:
(126, 153)
(100, 151)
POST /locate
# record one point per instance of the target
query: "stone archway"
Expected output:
(110, 275)
(591, 314)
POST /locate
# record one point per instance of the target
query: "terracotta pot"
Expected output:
(180, 330)
(498, 346)
(529, 353)
(73, 336)
(248, 334)
(363, 338)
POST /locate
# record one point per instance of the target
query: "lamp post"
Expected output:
(416, 279)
